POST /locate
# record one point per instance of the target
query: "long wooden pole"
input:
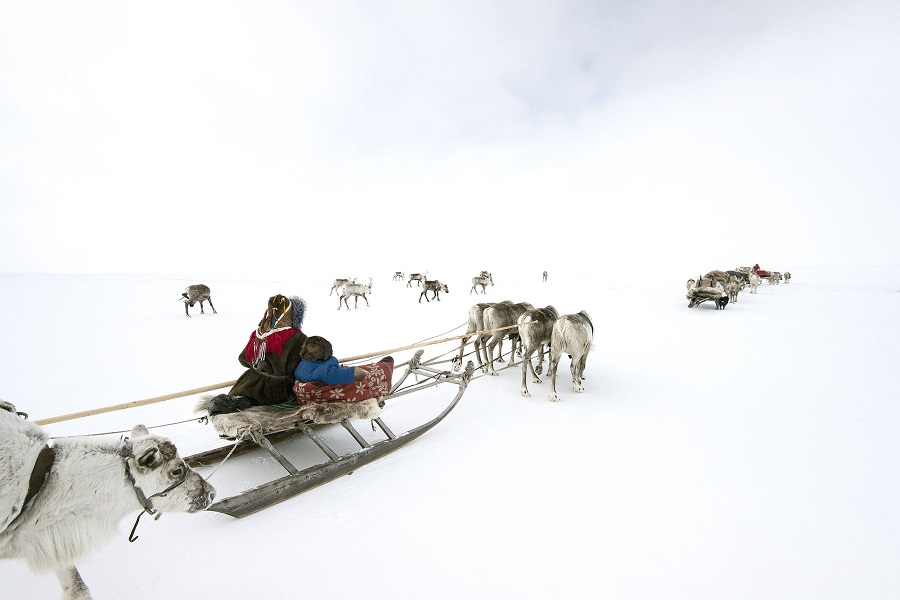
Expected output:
(133, 404)
(225, 384)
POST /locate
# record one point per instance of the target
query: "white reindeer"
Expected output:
(337, 284)
(573, 335)
(417, 277)
(754, 280)
(354, 290)
(535, 329)
(196, 293)
(483, 281)
(59, 502)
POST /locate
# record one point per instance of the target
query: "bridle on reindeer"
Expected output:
(145, 500)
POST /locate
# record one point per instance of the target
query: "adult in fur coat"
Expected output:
(271, 356)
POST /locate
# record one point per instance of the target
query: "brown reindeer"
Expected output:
(502, 314)
(435, 287)
(196, 293)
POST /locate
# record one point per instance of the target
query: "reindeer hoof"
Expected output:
(524, 392)
(553, 397)
(539, 369)
(537, 380)
(493, 373)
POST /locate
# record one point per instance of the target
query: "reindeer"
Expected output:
(337, 284)
(573, 335)
(354, 290)
(483, 281)
(535, 328)
(733, 288)
(501, 314)
(417, 277)
(435, 287)
(545, 277)
(475, 324)
(787, 276)
(754, 280)
(196, 293)
(59, 502)
(398, 276)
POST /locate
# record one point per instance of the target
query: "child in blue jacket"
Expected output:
(318, 365)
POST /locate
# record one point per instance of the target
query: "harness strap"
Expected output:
(40, 473)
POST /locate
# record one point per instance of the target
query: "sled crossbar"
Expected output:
(298, 481)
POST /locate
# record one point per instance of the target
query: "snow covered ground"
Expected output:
(750, 453)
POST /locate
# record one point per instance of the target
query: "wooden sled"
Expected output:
(264, 426)
(703, 290)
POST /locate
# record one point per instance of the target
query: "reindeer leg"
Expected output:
(201, 308)
(211, 305)
(73, 586)
(186, 309)
(535, 372)
(523, 388)
(552, 364)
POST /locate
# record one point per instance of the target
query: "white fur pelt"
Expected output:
(267, 419)
(535, 329)
(573, 335)
(85, 495)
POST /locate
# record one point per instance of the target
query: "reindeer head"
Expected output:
(161, 475)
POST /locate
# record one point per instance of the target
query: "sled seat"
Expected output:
(315, 404)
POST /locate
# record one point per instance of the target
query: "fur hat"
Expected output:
(281, 311)
(316, 348)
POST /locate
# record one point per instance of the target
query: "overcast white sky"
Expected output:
(234, 136)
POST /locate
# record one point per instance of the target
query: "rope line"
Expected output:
(218, 386)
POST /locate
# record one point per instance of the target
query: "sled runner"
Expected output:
(319, 407)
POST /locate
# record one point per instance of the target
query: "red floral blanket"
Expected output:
(376, 383)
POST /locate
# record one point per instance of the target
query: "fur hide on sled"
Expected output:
(317, 404)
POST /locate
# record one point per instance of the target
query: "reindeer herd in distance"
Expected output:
(349, 288)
